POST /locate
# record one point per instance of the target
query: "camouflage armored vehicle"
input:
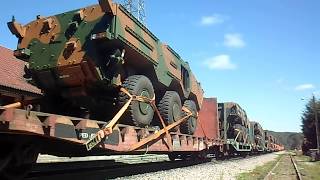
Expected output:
(81, 58)
(234, 122)
(269, 141)
(258, 135)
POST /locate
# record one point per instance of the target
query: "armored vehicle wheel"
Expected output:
(173, 156)
(189, 126)
(170, 108)
(140, 113)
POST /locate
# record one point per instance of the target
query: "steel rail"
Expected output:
(113, 168)
(296, 168)
(298, 175)
(102, 170)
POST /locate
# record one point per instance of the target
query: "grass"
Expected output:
(308, 170)
(259, 172)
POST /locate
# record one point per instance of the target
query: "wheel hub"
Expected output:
(144, 107)
(176, 112)
(192, 120)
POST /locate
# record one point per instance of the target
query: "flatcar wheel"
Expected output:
(189, 126)
(140, 113)
(19, 163)
(244, 154)
(220, 155)
(202, 155)
(172, 156)
(6, 155)
(170, 108)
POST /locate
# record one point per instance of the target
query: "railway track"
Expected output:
(119, 166)
(285, 168)
(295, 167)
(104, 169)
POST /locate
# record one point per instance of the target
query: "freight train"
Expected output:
(111, 87)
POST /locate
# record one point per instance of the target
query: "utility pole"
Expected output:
(316, 122)
(136, 8)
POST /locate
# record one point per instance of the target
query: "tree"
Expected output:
(308, 124)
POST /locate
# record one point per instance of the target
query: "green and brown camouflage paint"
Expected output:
(233, 119)
(69, 52)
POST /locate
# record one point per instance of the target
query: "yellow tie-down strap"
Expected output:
(165, 129)
(13, 105)
(107, 130)
(102, 133)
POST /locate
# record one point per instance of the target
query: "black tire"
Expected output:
(170, 108)
(190, 125)
(138, 113)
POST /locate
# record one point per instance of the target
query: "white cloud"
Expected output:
(303, 87)
(221, 62)
(211, 20)
(234, 40)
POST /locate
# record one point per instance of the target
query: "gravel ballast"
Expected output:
(228, 169)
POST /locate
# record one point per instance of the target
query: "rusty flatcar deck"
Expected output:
(57, 130)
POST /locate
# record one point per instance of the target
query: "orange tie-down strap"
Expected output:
(107, 130)
(13, 105)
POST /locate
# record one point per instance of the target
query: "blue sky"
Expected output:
(263, 54)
